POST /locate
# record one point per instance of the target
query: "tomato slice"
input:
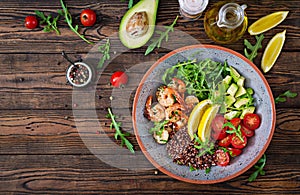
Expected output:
(235, 122)
(251, 121)
(247, 132)
(234, 152)
(222, 158)
(225, 142)
(219, 132)
(236, 142)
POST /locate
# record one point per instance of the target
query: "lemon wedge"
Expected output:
(196, 115)
(272, 51)
(204, 128)
(267, 22)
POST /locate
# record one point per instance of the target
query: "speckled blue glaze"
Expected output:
(256, 145)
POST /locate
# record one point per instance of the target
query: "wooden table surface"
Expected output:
(41, 147)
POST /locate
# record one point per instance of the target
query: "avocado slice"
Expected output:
(138, 24)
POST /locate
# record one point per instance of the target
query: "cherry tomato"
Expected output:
(222, 158)
(31, 22)
(88, 17)
(235, 122)
(236, 142)
(251, 121)
(219, 132)
(247, 132)
(118, 79)
(234, 152)
(225, 142)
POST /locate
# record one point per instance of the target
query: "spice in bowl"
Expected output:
(79, 74)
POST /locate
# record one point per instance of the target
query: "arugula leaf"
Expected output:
(117, 126)
(259, 168)
(281, 97)
(51, 22)
(233, 130)
(69, 21)
(253, 48)
(163, 35)
(158, 127)
(104, 49)
(130, 3)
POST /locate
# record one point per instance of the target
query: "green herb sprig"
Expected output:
(130, 3)
(163, 35)
(282, 97)
(253, 48)
(204, 147)
(259, 168)
(69, 21)
(234, 130)
(158, 127)
(117, 126)
(104, 49)
(51, 23)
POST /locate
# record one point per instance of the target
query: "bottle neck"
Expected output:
(231, 15)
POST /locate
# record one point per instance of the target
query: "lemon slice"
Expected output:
(267, 22)
(204, 128)
(196, 115)
(272, 51)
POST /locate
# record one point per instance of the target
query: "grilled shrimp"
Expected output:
(167, 96)
(156, 112)
(191, 101)
(176, 116)
(161, 138)
(178, 85)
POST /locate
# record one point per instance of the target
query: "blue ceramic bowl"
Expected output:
(256, 146)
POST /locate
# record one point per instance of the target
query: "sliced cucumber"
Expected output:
(241, 102)
(232, 114)
(241, 91)
(232, 89)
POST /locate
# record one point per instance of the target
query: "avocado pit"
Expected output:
(137, 25)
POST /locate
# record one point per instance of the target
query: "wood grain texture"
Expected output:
(42, 119)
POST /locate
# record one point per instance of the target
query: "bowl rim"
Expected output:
(138, 91)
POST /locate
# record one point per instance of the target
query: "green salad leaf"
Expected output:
(253, 48)
(282, 97)
(163, 35)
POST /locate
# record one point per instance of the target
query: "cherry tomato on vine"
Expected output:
(234, 152)
(31, 22)
(222, 158)
(247, 132)
(236, 142)
(118, 79)
(88, 17)
(235, 122)
(225, 141)
(251, 121)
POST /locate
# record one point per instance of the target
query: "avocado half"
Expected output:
(141, 17)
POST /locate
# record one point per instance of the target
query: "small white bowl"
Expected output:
(86, 81)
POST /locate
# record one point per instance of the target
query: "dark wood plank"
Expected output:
(57, 131)
(18, 39)
(87, 174)
(26, 85)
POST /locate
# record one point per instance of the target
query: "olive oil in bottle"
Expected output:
(225, 22)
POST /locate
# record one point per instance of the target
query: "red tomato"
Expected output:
(235, 122)
(247, 132)
(219, 132)
(236, 142)
(234, 152)
(225, 142)
(31, 22)
(118, 79)
(251, 121)
(222, 158)
(88, 17)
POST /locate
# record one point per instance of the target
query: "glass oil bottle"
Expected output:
(225, 22)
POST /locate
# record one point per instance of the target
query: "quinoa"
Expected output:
(182, 151)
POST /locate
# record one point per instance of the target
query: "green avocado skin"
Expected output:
(148, 6)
